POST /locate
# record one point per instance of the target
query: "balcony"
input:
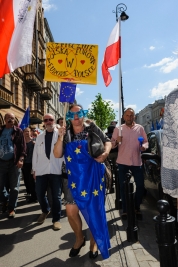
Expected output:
(46, 92)
(33, 81)
(5, 98)
(36, 117)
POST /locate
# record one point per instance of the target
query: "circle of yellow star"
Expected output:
(69, 159)
(69, 172)
(73, 185)
(77, 151)
(103, 179)
(95, 193)
(101, 187)
(83, 193)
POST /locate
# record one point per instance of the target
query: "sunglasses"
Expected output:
(81, 113)
(46, 120)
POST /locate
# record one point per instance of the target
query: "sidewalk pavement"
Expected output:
(24, 243)
(143, 253)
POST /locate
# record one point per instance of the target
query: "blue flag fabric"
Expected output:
(158, 126)
(67, 92)
(152, 127)
(87, 184)
(26, 118)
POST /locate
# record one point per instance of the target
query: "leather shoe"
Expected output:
(93, 255)
(75, 251)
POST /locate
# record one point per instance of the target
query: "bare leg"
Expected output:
(75, 223)
(93, 245)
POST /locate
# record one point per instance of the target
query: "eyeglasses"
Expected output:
(46, 120)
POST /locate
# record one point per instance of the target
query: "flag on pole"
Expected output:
(67, 92)
(112, 53)
(16, 33)
(26, 118)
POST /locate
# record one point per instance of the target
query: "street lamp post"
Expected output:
(121, 8)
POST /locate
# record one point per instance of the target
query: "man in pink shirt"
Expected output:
(129, 157)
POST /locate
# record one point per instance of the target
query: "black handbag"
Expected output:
(95, 144)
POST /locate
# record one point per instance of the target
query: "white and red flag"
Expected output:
(16, 33)
(112, 53)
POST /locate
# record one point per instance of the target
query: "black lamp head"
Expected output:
(124, 16)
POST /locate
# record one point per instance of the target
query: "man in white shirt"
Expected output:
(47, 171)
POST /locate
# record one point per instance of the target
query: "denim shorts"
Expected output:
(68, 198)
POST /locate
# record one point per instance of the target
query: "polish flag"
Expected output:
(16, 33)
(112, 53)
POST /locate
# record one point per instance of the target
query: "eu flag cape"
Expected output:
(87, 184)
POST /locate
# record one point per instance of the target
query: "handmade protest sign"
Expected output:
(75, 63)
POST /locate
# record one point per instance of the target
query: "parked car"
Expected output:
(152, 170)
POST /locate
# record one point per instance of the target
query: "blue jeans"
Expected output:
(9, 175)
(137, 173)
(55, 182)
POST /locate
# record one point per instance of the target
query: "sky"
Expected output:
(149, 46)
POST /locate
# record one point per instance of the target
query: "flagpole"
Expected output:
(120, 8)
(65, 111)
(119, 113)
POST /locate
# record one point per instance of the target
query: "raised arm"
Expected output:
(58, 147)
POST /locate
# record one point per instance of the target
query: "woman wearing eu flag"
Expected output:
(85, 190)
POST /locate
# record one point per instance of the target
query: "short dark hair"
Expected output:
(75, 105)
(60, 119)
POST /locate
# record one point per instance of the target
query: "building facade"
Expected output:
(26, 87)
(150, 115)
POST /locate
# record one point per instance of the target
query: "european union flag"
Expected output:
(25, 121)
(67, 92)
(87, 185)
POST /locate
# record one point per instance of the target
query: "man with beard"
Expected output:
(12, 152)
(47, 171)
(129, 157)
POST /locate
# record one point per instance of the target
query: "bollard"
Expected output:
(112, 170)
(165, 235)
(132, 229)
(118, 200)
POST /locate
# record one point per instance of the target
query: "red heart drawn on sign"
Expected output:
(60, 61)
(82, 61)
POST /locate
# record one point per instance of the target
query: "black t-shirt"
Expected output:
(29, 152)
(48, 141)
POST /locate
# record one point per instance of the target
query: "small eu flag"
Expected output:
(67, 92)
(25, 121)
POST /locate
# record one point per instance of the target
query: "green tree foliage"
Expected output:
(101, 112)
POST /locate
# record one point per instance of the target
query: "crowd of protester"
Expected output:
(57, 161)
